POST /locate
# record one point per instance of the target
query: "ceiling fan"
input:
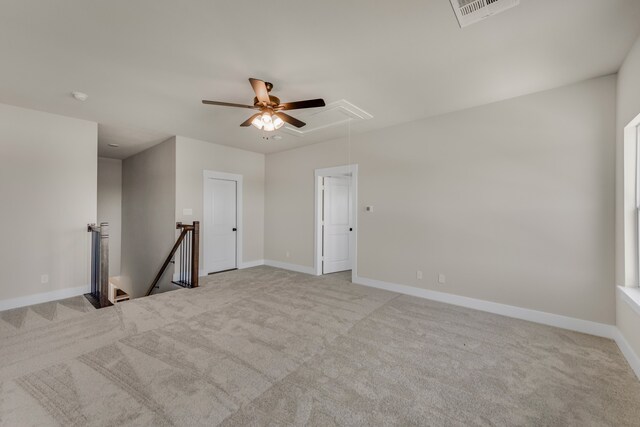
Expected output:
(270, 116)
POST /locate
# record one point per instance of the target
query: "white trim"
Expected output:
(292, 267)
(550, 319)
(631, 296)
(250, 264)
(627, 351)
(8, 304)
(630, 202)
(207, 174)
(351, 170)
(541, 317)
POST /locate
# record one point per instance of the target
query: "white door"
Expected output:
(336, 229)
(220, 225)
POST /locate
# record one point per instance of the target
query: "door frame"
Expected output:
(207, 174)
(351, 170)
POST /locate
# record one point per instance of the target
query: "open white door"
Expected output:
(336, 230)
(220, 225)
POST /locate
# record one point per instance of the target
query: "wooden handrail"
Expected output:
(195, 242)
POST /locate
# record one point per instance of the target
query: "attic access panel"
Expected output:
(332, 115)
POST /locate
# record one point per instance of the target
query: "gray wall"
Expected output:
(513, 201)
(148, 216)
(110, 207)
(193, 157)
(48, 169)
(628, 320)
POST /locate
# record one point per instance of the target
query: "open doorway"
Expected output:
(336, 191)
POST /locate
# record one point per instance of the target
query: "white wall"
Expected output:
(148, 216)
(628, 107)
(162, 181)
(193, 157)
(48, 172)
(110, 207)
(513, 201)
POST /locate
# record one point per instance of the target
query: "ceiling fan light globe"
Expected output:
(257, 122)
(277, 122)
(266, 118)
(269, 127)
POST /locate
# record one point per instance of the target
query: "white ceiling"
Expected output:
(148, 63)
(130, 140)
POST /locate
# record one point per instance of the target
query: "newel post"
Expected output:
(104, 265)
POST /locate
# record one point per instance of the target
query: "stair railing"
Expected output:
(99, 295)
(188, 244)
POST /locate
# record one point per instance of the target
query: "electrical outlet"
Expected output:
(44, 279)
(419, 275)
(288, 254)
(442, 279)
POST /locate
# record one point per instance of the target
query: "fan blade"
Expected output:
(249, 120)
(228, 104)
(260, 88)
(291, 120)
(311, 103)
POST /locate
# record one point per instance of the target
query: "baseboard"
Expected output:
(627, 351)
(564, 322)
(8, 304)
(559, 321)
(243, 265)
(292, 267)
(250, 264)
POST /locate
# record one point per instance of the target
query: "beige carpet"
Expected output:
(270, 347)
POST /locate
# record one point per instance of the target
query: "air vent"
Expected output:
(471, 11)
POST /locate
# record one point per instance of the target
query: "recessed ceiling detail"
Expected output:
(334, 114)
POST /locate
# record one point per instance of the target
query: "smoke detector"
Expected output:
(80, 96)
(471, 11)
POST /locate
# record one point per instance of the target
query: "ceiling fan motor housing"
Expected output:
(275, 101)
